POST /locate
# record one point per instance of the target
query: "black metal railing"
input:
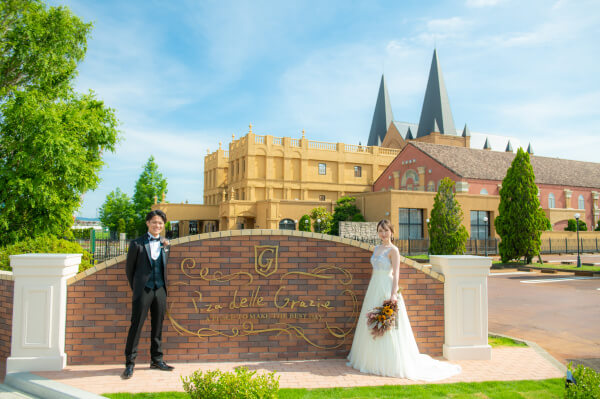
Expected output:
(103, 250)
(420, 246)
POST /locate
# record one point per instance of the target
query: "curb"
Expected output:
(541, 351)
(44, 388)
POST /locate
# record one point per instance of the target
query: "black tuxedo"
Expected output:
(140, 268)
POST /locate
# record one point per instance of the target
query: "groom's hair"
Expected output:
(386, 224)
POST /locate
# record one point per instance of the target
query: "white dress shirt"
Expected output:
(154, 247)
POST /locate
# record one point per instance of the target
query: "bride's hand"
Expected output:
(394, 297)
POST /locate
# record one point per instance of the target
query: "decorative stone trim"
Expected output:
(6, 275)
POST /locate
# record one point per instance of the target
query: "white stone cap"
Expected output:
(445, 264)
(45, 264)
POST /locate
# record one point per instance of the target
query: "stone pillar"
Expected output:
(465, 305)
(39, 311)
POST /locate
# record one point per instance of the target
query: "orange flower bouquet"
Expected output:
(382, 318)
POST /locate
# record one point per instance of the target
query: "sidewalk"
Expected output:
(508, 363)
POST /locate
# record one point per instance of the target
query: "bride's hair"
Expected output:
(386, 224)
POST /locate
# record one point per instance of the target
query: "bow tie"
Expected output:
(153, 239)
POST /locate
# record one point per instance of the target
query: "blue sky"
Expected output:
(184, 75)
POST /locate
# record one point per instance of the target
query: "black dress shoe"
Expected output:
(127, 373)
(161, 366)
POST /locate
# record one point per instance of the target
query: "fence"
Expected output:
(490, 246)
(102, 250)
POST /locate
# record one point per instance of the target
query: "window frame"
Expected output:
(324, 165)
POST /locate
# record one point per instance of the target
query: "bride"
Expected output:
(395, 354)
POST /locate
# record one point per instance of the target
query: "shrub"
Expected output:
(572, 225)
(345, 211)
(45, 244)
(322, 220)
(598, 227)
(587, 383)
(304, 223)
(215, 384)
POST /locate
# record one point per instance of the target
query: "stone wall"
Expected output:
(269, 295)
(6, 313)
(363, 231)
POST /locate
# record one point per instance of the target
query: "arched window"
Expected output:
(287, 224)
(581, 202)
(551, 203)
(483, 191)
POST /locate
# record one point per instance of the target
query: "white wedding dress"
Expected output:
(395, 354)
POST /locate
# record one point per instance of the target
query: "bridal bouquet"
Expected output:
(382, 318)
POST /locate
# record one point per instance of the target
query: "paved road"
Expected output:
(558, 312)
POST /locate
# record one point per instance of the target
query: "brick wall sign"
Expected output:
(263, 295)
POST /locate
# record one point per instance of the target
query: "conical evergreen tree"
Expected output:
(521, 220)
(150, 184)
(447, 235)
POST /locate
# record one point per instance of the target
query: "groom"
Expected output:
(146, 272)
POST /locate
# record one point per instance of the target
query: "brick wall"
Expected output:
(279, 316)
(6, 311)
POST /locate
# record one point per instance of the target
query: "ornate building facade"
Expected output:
(263, 181)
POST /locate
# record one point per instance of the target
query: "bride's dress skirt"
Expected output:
(395, 354)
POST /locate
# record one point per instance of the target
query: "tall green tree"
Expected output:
(117, 213)
(447, 235)
(521, 220)
(150, 184)
(51, 138)
(345, 211)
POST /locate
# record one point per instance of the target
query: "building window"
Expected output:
(551, 203)
(581, 202)
(287, 224)
(411, 223)
(431, 186)
(321, 197)
(479, 228)
(193, 227)
(483, 191)
(357, 171)
(322, 168)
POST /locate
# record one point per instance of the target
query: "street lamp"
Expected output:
(306, 224)
(577, 229)
(319, 225)
(485, 220)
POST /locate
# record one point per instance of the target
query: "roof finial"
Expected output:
(207, 151)
(487, 145)
(466, 132)
(232, 137)
(303, 134)
(530, 149)
(220, 145)
(250, 126)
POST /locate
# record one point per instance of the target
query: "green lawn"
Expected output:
(543, 389)
(498, 264)
(496, 341)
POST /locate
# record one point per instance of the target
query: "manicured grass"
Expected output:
(496, 341)
(543, 389)
(426, 257)
(498, 264)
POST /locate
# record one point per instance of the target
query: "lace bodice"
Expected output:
(381, 261)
